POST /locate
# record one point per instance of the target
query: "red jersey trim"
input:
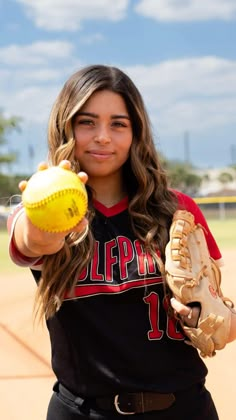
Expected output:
(16, 256)
(187, 203)
(86, 290)
(111, 211)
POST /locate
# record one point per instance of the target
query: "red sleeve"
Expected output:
(16, 256)
(187, 203)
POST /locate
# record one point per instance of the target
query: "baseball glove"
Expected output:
(194, 278)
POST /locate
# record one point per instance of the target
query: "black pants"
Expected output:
(198, 405)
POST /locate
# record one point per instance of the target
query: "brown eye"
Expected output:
(85, 122)
(119, 124)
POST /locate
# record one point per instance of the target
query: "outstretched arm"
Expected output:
(33, 242)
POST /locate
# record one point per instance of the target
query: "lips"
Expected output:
(100, 154)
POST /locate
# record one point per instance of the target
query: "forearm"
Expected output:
(32, 242)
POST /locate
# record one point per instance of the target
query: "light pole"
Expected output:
(186, 147)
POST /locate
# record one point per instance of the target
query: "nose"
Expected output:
(102, 136)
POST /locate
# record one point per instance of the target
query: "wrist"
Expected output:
(32, 242)
(37, 247)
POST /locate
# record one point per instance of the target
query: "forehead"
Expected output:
(105, 100)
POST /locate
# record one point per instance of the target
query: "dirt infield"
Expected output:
(26, 378)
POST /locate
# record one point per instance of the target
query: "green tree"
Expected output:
(225, 177)
(6, 126)
(182, 177)
(192, 183)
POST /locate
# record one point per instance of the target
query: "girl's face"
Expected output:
(103, 134)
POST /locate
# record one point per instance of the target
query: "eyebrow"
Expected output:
(91, 114)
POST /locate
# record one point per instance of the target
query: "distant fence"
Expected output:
(212, 207)
(217, 207)
(5, 209)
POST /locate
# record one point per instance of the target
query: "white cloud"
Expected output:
(37, 53)
(204, 76)
(32, 75)
(69, 15)
(92, 39)
(187, 10)
(198, 116)
(32, 103)
(195, 93)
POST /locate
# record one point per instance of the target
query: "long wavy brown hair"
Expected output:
(151, 202)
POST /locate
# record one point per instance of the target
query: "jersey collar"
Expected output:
(111, 211)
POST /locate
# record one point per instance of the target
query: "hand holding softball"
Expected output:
(55, 198)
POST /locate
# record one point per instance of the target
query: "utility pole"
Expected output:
(233, 153)
(186, 148)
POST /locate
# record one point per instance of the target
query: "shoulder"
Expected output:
(186, 202)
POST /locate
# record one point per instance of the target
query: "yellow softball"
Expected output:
(55, 199)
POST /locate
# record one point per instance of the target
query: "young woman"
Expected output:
(116, 347)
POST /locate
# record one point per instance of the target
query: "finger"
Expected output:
(42, 166)
(189, 315)
(180, 308)
(65, 164)
(81, 226)
(22, 185)
(83, 177)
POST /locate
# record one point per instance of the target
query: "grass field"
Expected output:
(223, 231)
(5, 262)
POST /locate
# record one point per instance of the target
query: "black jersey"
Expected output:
(114, 335)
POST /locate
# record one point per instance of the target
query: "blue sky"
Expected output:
(180, 53)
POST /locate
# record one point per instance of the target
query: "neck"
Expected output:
(109, 191)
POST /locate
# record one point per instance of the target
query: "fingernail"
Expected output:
(190, 314)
